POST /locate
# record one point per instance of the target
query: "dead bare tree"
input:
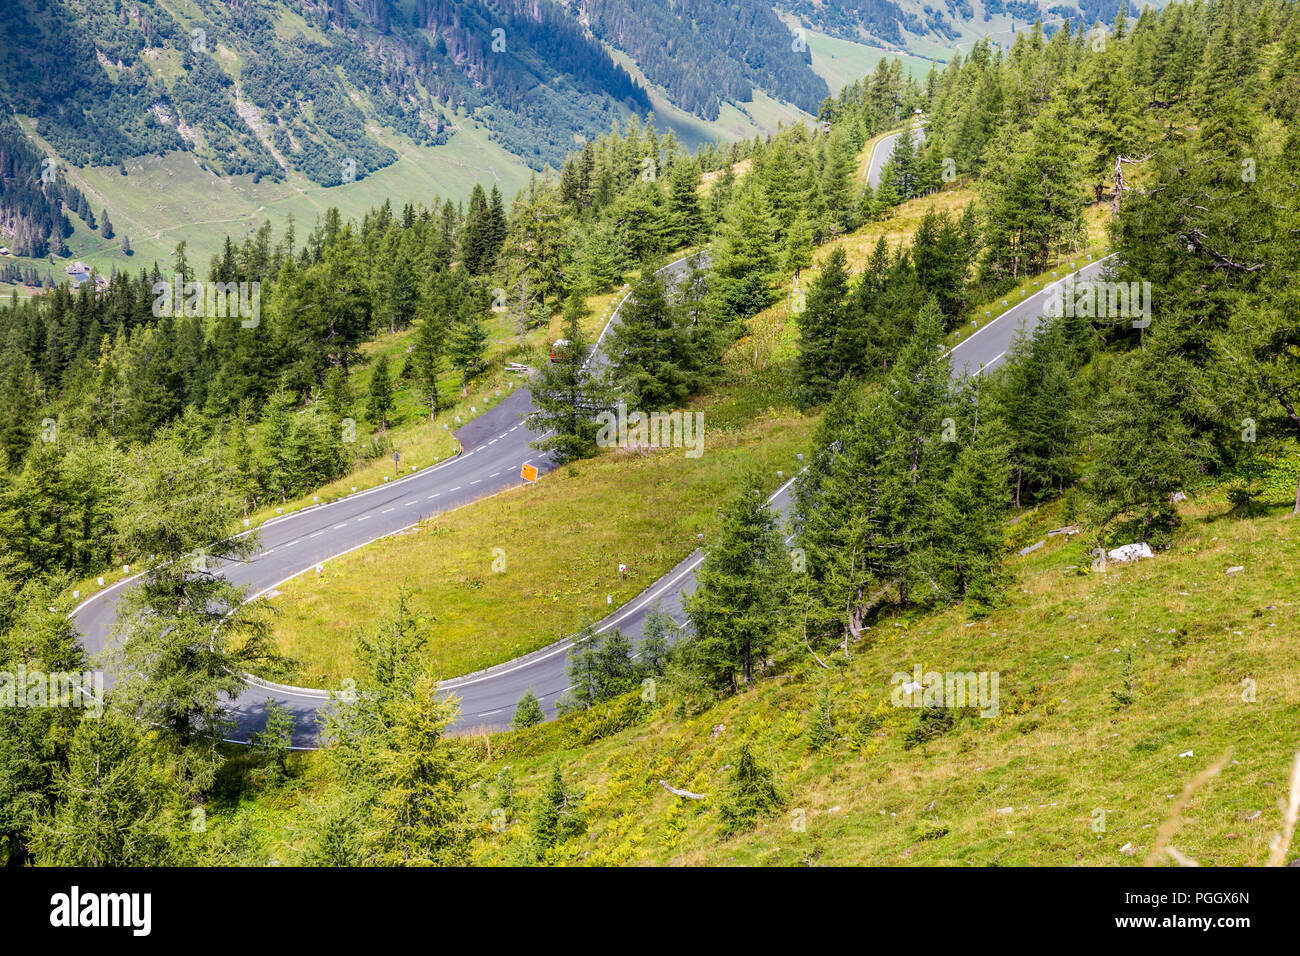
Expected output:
(1120, 183)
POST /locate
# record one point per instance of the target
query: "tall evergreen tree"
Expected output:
(569, 392)
(654, 355)
(745, 256)
(735, 610)
(112, 803)
(825, 341)
(427, 356)
(381, 401)
(468, 346)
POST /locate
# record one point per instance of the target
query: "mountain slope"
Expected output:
(188, 119)
(915, 26)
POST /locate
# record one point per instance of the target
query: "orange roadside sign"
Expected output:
(529, 473)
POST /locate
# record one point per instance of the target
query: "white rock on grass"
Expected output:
(1131, 552)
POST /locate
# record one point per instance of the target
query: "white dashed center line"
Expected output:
(431, 497)
(316, 535)
(386, 510)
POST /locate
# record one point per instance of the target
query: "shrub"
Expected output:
(751, 794)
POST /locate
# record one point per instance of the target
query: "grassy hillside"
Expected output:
(1117, 688)
(839, 61)
(563, 540)
(164, 200)
(1144, 712)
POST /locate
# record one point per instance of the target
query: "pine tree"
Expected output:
(618, 671)
(651, 350)
(942, 256)
(336, 393)
(505, 795)
(335, 834)
(655, 635)
(902, 172)
(185, 635)
(1147, 443)
(419, 819)
(1033, 200)
(111, 806)
(825, 345)
(468, 347)
(18, 390)
(528, 712)
(555, 816)
(583, 671)
(381, 399)
(967, 523)
(569, 393)
(798, 252)
(476, 251)
(835, 185)
(496, 220)
(683, 220)
(1034, 393)
(750, 793)
(745, 257)
(866, 511)
(843, 507)
(426, 361)
(274, 740)
(821, 721)
(736, 606)
(276, 464)
(398, 293)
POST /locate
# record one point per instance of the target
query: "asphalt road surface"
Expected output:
(987, 347)
(883, 149)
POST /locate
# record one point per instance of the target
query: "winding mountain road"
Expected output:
(488, 698)
(496, 445)
(884, 149)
